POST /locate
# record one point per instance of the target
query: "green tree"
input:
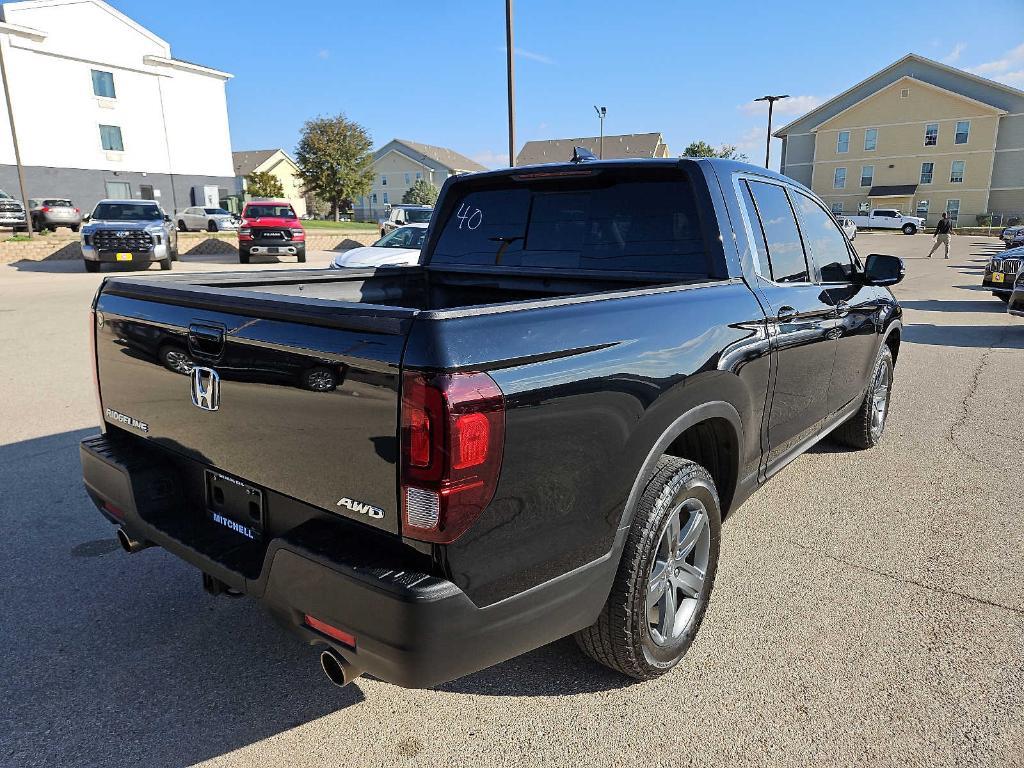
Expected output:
(421, 193)
(334, 158)
(263, 184)
(703, 149)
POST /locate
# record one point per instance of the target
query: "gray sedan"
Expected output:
(53, 212)
(198, 218)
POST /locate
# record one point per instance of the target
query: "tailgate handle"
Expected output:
(206, 340)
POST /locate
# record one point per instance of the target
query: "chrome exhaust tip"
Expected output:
(129, 544)
(338, 671)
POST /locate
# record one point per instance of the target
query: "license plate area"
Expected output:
(273, 250)
(123, 256)
(234, 505)
(997, 277)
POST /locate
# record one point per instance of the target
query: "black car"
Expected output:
(540, 426)
(1001, 271)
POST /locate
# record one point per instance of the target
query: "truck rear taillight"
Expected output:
(453, 434)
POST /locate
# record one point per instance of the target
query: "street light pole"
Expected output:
(509, 53)
(14, 140)
(768, 142)
(601, 112)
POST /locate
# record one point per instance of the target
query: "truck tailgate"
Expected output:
(307, 410)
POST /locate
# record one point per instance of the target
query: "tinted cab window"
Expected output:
(615, 221)
(824, 240)
(779, 233)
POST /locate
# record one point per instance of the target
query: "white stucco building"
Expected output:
(102, 109)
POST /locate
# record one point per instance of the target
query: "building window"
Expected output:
(867, 175)
(953, 209)
(383, 180)
(843, 142)
(146, 192)
(386, 198)
(373, 198)
(863, 208)
(118, 190)
(839, 179)
(103, 84)
(927, 170)
(931, 134)
(870, 139)
(963, 132)
(905, 93)
(956, 172)
(418, 175)
(407, 181)
(922, 209)
(110, 138)
(837, 208)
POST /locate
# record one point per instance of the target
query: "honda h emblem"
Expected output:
(205, 388)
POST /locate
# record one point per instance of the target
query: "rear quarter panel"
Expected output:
(590, 386)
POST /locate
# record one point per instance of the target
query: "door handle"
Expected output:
(785, 314)
(842, 308)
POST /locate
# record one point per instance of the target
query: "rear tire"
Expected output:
(909, 229)
(74, 227)
(181, 226)
(665, 577)
(92, 266)
(865, 428)
(211, 226)
(165, 264)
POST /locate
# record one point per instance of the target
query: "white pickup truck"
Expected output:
(888, 218)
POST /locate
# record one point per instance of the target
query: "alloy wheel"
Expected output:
(676, 581)
(879, 401)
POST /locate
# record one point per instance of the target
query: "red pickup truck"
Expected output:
(270, 227)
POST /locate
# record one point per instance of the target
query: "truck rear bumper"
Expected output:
(411, 628)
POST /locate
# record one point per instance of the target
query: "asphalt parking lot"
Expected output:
(869, 607)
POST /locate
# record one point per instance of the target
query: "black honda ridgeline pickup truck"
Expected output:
(535, 432)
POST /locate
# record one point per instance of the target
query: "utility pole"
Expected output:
(509, 53)
(768, 142)
(601, 112)
(14, 139)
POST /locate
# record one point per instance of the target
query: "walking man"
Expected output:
(942, 232)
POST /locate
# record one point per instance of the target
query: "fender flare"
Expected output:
(894, 326)
(697, 414)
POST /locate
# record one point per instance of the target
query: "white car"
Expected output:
(198, 218)
(848, 227)
(398, 248)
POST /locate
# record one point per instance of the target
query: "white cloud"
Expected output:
(323, 53)
(794, 105)
(491, 159)
(999, 68)
(1015, 79)
(954, 56)
(752, 139)
(531, 55)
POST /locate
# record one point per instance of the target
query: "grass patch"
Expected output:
(18, 239)
(340, 226)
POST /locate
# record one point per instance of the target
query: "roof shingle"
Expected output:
(615, 147)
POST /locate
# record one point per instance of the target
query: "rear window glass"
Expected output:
(612, 222)
(58, 202)
(269, 211)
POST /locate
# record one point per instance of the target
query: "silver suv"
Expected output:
(128, 231)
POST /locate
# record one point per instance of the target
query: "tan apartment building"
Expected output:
(399, 164)
(918, 136)
(277, 163)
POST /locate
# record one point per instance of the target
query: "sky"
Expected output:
(434, 71)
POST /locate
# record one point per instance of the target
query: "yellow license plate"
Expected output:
(123, 256)
(997, 277)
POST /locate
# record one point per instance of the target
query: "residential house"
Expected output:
(103, 109)
(399, 164)
(278, 164)
(920, 136)
(615, 147)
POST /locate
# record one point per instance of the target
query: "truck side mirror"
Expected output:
(880, 269)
